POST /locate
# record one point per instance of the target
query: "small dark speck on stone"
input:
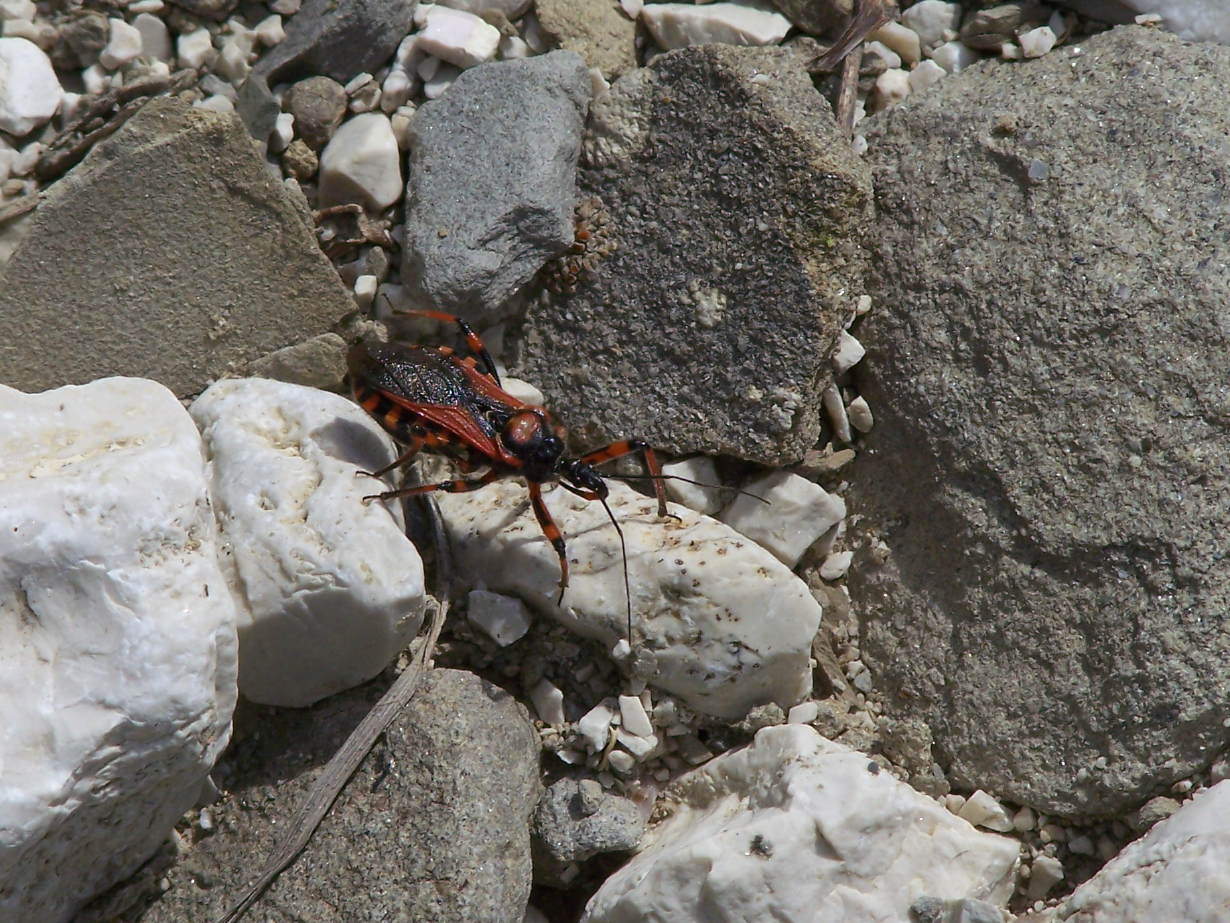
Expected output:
(874, 768)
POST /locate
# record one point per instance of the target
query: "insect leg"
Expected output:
(628, 447)
(452, 487)
(473, 342)
(553, 534)
(412, 449)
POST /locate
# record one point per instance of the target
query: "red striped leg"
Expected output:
(628, 447)
(553, 534)
(452, 487)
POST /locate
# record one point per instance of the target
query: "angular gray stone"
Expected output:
(493, 181)
(168, 253)
(816, 16)
(434, 825)
(988, 29)
(1047, 363)
(576, 820)
(727, 251)
(337, 38)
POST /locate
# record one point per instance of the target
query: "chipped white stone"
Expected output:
(858, 411)
(879, 50)
(232, 62)
(548, 702)
(1036, 42)
(155, 39)
(269, 31)
(17, 9)
(1045, 873)
(30, 92)
(743, 833)
(983, 810)
(365, 290)
(1024, 820)
(283, 132)
(835, 407)
(1010, 51)
(954, 57)
(863, 306)
(848, 352)
(146, 6)
(522, 390)
(621, 761)
(632, 8)
(595, 727)
(440, 81)
(803, 713)
(891, 87)
(333, 589)
(797, 513)
(117, 637)
(927, 74)
(216, 103)
(455, 36)
(633, 716)
(900, 39)
(836, 565)
(285, 7)
(361, 163)
(501, 618)
(195, 49)
(512, 48)
(395, 92)
(365, 98)
(95, 80)
(24, 162)
(123, 45)
(930, 20)
(729, 625)
(426, 67)
(677, 25)
(698, 496)
(642, 747)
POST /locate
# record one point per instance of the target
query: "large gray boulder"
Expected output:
(1048, 368)
(725, 219)
(168, 253)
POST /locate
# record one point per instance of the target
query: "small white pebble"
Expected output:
(458, 37)
(638, 746)
(621, 762)
(954, 803)
(848, 352)
(95, 80)
(836, 565)
(440, 81)
(703, 496)
(571, 757)
(595, 726)
(1081, 844)
(124, 45)
(1148, 19)
(633, 716)
(395, 91)
(863, 305)
(232, 64)
(269, 31)
(983, 810)
(1047, 871)
(216, 103)
(356, 83)
(155, 39)
(901, 39)
(283, 132)
(954, 57)
(146, 6)
(932, 20)
(926, 75)
(859, 414)
(195, 49)
(620, 650)
(859, 145)
(26, 159)
(803, 713)
(1037, 42)
(836, 410)
(504, 619)
(285, 7)
(891, 87)
(631, 8)
(1010, 51)
(512, 48)
(365, 290)
(1024, 820)
(548, 701)
(1052, 833)
(879, 50)
(25, 28)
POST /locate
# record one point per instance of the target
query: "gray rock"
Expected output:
(1047, 364)
(257, 107)
(597, 30)
(318, 105)
(337, 38)
(207, 9)
(318, 363)
(1152, 811)
(81, 40)
(576, 820)
(726, 252)
(168, 253)
(493, 181)
(990, 28)
(816, 16)
(433, 826)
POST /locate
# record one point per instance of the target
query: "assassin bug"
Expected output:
(432, 399)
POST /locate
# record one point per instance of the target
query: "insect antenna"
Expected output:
(623, 549)
(676, 477)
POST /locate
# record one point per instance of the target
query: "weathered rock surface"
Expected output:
(736, 212)
(338, 39)
(104, 282)
(597, 30)
(330, 588)
(492, 182)
(434, 825)
(1176, 871)
(795, 827)
(1048, 375)
(576, 820)
(729, 626)
(117, 638)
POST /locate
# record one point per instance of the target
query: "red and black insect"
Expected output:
(432, 399)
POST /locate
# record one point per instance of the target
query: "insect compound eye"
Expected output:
(548, 449)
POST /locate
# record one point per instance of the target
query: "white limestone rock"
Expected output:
(848, 353)
(728, 625)
(155, 39)
(926, 75)
(503, 619)
(20, 10)
(891, 87)
(195, 49)
(934, 21)
(455, 36)
(900, 39)
(703, 496)
(954, 57)
(1179, 870)
(798, 512)
(332, 588)
(30, 92)
(1037, 42)
(123, 45)
(1192, 20)
(795, 827)
(983, 810)
(677, 25)
(117, 637)
(361, 163)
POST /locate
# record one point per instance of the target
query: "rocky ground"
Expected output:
(966, 663)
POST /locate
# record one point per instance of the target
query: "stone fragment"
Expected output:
(595, 29)
(232, 62)
(155, 39)
(17, 9)
(742, 835)
(509, 9)
(989, 28)
(207, 9)
(677, 25)
(1099, 521)
(576, 820)
(462, 39)
(704, 496)
(900, 39)
(491, 182)
(30, 92)
(1193, 20)
(634, 719)
(836, 565)
(954, 57)
(982, 810)
(318, 105)
(338, 39)
(729, 626)
(81, 40)
(595, 726)
(361, 163)
(1037, 42)
(548, 702)
(300, 160)
(934, 21)
(1152, 811)
(453, 783)
(178, 301)
(270, 31)
(681, 184)
(319, 362)
(848, 353)
(117, 637)
(891, 87)
(926, 74)
(874, 52)
(797, 512)
(195, 49)
(283, 133)
(331, 586)
(858, 411)
(123, 46)
(501, 618)
(816, 16)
